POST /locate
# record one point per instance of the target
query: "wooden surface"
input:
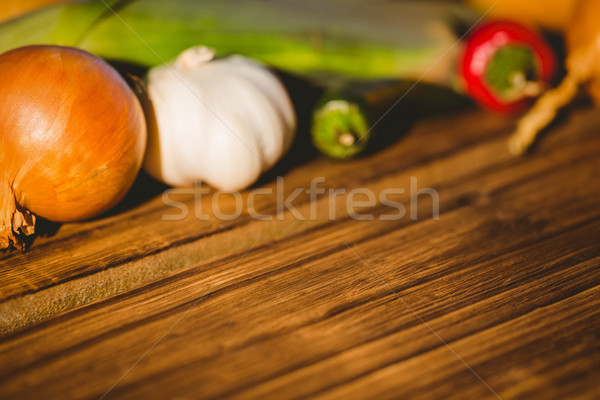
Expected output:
(499, 298)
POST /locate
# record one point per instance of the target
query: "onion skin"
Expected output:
(549, 14)
(583, 46)
(72, 138)
(14, 8)
(583, 68)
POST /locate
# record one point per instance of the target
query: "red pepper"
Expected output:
(505, 65)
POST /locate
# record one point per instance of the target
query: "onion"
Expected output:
(583, 69)
(72, 138)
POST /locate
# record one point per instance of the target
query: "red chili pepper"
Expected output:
(505, 65)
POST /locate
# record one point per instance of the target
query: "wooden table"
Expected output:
(498, 298)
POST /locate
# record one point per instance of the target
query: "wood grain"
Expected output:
(499, 298)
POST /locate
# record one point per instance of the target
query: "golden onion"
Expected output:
(72, 138)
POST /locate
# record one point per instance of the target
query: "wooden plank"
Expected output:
(108, 256)
(112, 252)
(507, 281)
(73, 365)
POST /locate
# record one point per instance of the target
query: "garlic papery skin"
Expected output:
(222, 121)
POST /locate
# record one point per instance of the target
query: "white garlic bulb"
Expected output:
(222, 121)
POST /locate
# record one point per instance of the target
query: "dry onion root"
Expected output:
(541, 114)
(72, 138)
(583, 68)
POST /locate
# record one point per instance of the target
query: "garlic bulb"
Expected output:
(221, 121)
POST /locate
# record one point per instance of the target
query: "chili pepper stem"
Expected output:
(523, 87)
(542, 113)
(346, 139)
